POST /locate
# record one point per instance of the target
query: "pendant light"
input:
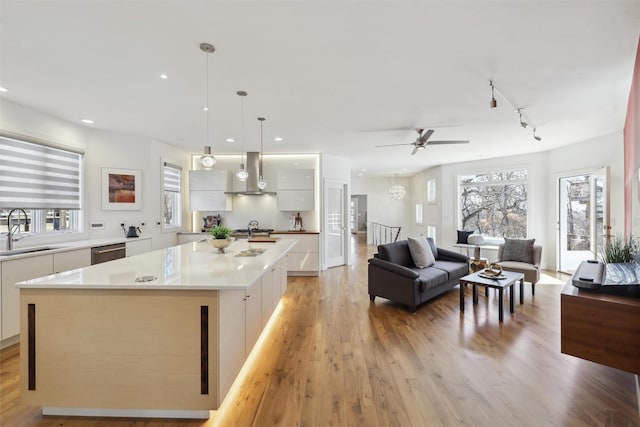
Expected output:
(397, 191)
(242, 173)
(207, 160)
(262, 184)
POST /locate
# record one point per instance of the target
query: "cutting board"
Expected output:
(264, 239)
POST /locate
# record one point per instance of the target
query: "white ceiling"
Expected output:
(329, 76)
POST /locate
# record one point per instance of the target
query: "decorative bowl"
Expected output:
(220, 244)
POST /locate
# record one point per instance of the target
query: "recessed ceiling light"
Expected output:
(3, 89)
(164, 76)
(87, 121)
(363, 170)
(359, 174)
(277, 139)
(230, 140)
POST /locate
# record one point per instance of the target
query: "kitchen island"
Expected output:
(161, 334)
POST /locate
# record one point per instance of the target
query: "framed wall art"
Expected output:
(121, 189)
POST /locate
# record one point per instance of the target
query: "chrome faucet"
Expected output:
(15, 228)
(253, 225)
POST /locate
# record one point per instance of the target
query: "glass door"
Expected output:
(583, 218)
(336, 219)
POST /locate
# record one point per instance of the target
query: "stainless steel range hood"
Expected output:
(253, 169)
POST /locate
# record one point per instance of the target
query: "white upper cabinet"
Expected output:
(296, 179)
(206, 190)
(295, 189)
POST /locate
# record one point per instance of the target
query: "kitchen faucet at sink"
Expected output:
(16, 227)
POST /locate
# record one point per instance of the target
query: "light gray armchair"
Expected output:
(531, 270)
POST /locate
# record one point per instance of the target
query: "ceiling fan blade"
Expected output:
(392, 145)
(461, 141)
(424, 137)
(415, 150)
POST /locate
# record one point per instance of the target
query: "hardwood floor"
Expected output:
(334, 359)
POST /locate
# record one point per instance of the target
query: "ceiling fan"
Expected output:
(423, 140)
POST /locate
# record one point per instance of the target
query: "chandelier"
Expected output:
(397, 192)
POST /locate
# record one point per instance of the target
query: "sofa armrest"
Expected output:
(447, 255)
(395, 268)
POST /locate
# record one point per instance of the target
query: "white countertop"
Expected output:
(195, 265)
(69, 246)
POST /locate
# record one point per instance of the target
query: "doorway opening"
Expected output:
(358, 213)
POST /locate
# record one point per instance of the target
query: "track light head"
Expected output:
(493, 103)
(522, 122)
(536, 137)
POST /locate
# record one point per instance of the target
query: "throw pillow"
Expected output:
(463, 236)
(421, 252)
(518, 250)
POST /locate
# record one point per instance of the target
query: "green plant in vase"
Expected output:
(221, 232)
(620, 250)
(220, 237)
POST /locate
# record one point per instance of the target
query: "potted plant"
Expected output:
(220, 237)
(619, 250)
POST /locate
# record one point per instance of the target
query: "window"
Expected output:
(171, 196)
(419, 218)
(431, 232)
(43, 179)
(431, 191)
(494, 203)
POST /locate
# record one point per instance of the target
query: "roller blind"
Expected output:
(171, 177)
(37, 176)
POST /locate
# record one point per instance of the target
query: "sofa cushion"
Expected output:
(453, 269)
(397, 253)
(463, 236)
(431, 277)
(421, 252)
(520, 250)
(434, 248)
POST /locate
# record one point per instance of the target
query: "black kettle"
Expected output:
(132, 231)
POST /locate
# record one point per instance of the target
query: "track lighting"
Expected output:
(523, 122)
(536, 137)
(493, 103)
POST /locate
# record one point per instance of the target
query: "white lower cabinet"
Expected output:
(192, 237)
(138, 246)
(14, 271)
(70, 260)
(304, 258)
(253, 316)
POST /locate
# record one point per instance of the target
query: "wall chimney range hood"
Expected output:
(253, 162)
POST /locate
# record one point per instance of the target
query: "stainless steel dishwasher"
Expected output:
(106, 253)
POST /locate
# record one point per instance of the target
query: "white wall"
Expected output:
(383, 210)
(104, 149)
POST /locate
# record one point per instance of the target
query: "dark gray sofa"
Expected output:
(394, 276)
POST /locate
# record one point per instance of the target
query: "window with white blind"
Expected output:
(43, 179)
(171, 196)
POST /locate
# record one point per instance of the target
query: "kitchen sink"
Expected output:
(27, 250)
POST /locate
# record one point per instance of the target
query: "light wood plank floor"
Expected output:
(334, 359)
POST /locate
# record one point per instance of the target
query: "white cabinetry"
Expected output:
(206, 190)
(295, 189)
(70, 260)
(138, 246)
(304, 257)
(191, 237)
(14, 271)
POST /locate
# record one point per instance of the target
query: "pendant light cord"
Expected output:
(261, 122)
(207, 97)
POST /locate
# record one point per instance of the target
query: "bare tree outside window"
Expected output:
(495, 203)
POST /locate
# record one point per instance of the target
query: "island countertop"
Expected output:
(191, 266)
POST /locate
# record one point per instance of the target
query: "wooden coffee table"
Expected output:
(475, 280)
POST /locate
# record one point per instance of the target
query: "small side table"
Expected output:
(477, 264)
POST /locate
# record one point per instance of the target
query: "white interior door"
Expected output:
(583, 218)
(336, 219)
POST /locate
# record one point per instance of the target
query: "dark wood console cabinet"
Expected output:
(601, 328)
